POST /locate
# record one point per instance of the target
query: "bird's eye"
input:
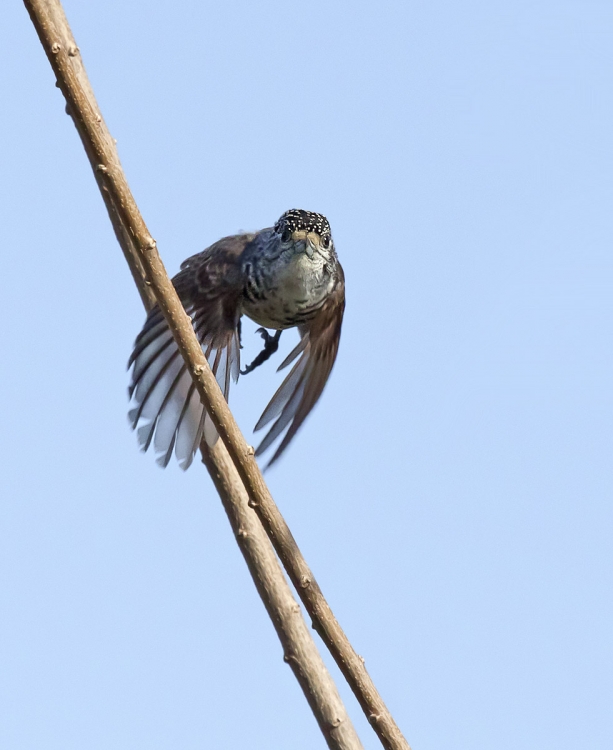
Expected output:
(286, 235)
(325, 241)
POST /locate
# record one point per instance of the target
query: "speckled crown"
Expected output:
(296, 219)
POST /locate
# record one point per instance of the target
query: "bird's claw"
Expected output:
(271, 344)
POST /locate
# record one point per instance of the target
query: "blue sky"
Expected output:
(451, 491)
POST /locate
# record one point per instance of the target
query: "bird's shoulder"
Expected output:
(216, 269)
(339, 274)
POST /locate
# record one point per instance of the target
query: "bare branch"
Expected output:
(146, 266)
(299, 650)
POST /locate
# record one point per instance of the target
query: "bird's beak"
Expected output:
(306, 242)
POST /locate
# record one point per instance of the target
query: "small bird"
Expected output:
(286, 276)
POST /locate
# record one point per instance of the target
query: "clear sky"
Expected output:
(451, 491)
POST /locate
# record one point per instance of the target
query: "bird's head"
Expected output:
(305, 232)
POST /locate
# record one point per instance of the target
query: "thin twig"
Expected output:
(299, 649)
(64, 58)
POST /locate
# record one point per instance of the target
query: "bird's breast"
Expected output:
(285, 294)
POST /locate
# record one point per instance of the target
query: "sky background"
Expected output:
(451, 491)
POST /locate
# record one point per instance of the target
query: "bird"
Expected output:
(282, 277)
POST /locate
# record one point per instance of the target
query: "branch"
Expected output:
(149, 273)
(299, 648)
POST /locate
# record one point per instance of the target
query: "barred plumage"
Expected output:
(282, 277)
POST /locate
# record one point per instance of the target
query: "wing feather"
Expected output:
(283, 394)
(302, 388)
(166, 407)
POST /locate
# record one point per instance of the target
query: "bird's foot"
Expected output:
(271, 344)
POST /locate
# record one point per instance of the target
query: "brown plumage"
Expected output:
(283, 277)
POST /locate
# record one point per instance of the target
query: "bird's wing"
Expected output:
(301, 389)
(166, 406)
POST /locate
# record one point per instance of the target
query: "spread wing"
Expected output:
(166, 407)
(301, 389)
